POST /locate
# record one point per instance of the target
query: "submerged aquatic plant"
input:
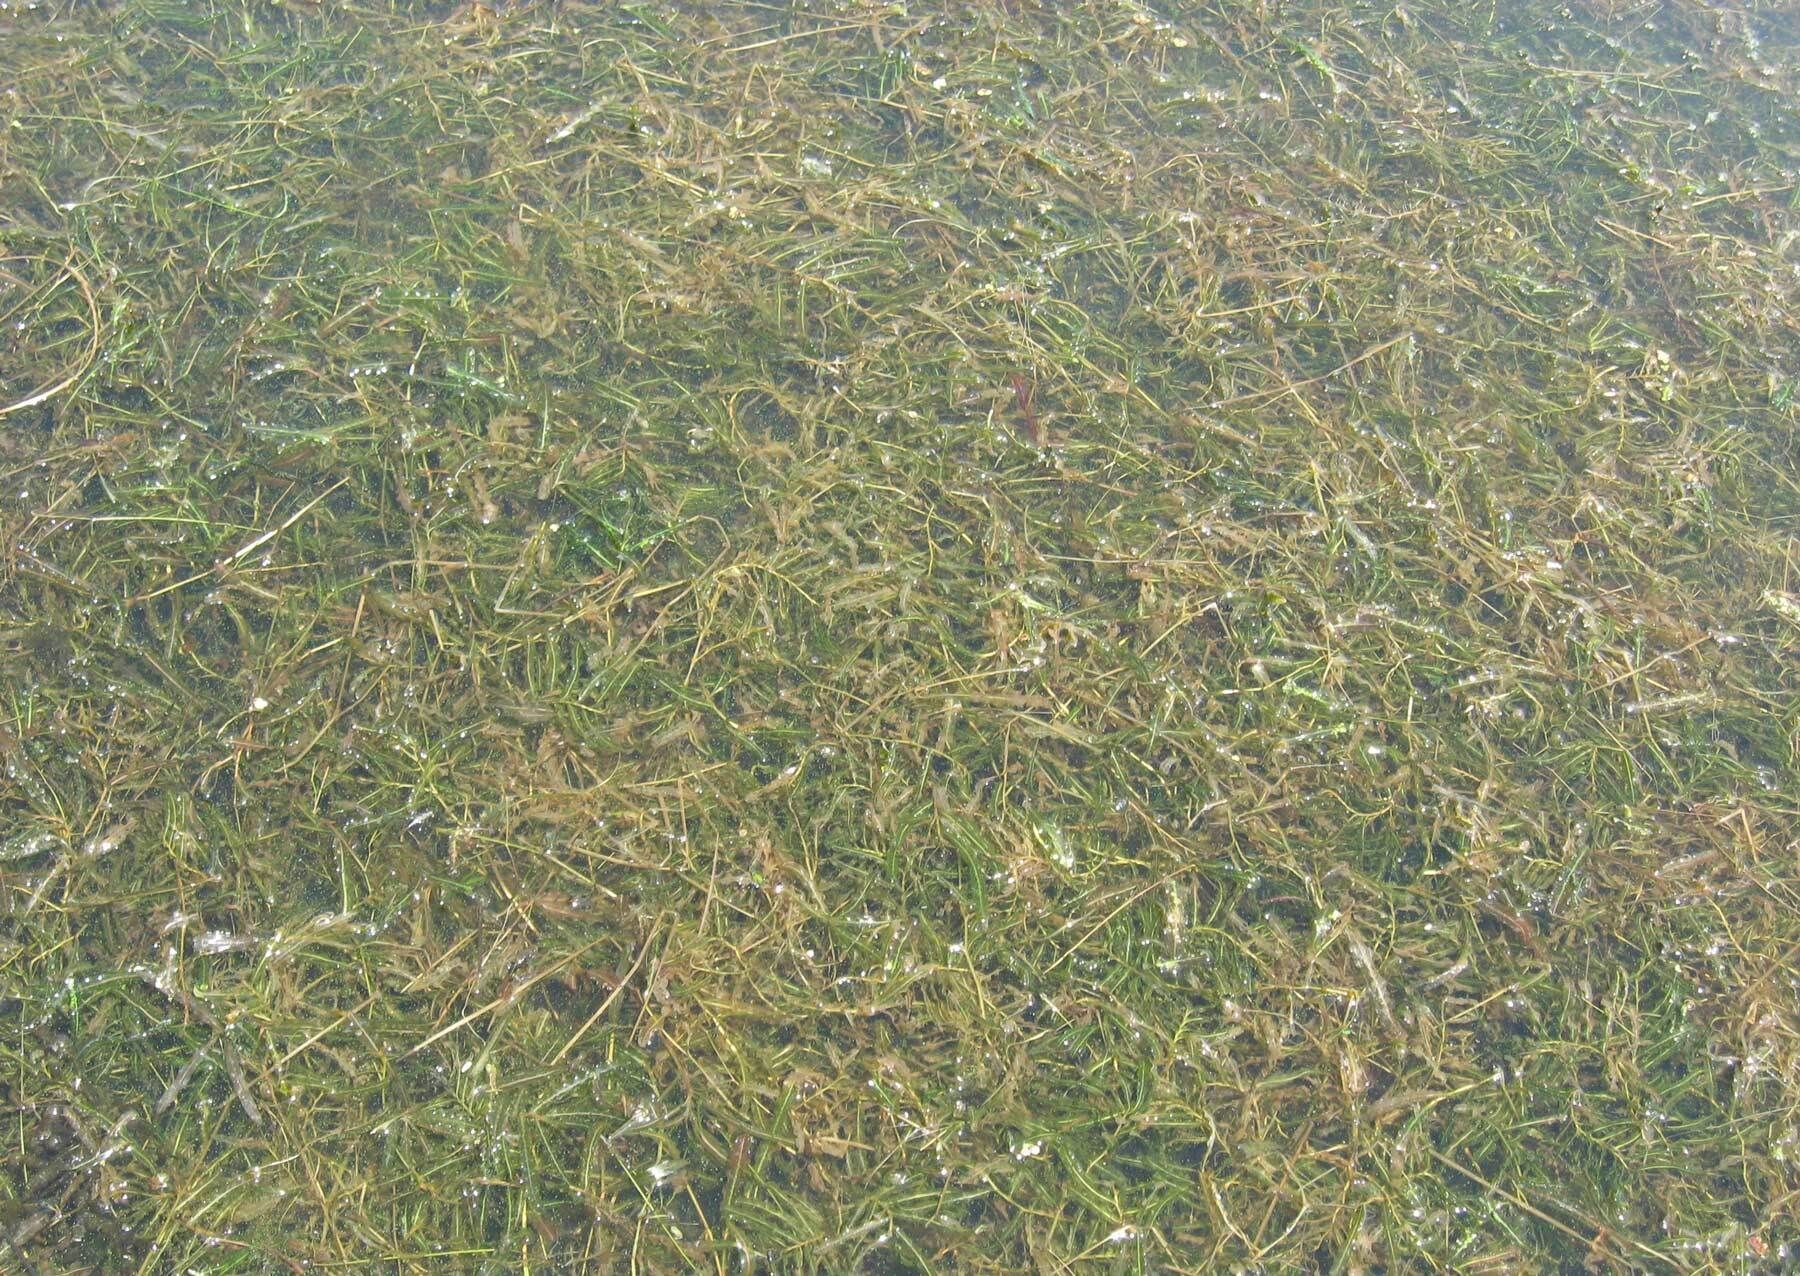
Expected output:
(979, 636)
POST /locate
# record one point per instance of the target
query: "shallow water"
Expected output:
(897, 637)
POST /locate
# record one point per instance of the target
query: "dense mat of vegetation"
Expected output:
(857, 636)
